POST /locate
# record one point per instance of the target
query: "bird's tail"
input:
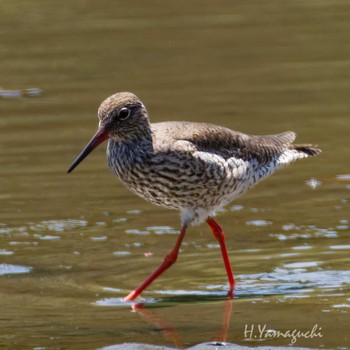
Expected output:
(306, 150)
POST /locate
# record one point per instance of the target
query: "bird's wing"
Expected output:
(218, 140)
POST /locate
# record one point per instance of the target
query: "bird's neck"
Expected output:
(129, 151)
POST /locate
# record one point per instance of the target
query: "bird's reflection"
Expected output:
(222, 335)
(171, 333)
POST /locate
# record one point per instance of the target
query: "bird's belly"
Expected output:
(206, 184)
(180, 190)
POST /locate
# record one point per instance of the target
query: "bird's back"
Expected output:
(225, 142)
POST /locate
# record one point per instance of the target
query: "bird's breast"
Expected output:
(184, 180)
(138, 168)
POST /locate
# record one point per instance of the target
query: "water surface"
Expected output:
(72, 245)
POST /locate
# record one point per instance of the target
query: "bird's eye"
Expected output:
(124, 113)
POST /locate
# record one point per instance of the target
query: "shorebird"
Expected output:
(195, 168)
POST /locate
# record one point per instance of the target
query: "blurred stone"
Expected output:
(203, 346)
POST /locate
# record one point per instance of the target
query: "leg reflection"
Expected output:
(171, 334)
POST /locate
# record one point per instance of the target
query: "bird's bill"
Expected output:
(100, 136)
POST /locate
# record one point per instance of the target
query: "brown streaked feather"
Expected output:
(222, 141)
(308, 149)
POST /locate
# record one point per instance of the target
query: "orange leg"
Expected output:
(168, 261)
(219, 236)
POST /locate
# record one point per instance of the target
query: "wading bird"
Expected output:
(195, 168)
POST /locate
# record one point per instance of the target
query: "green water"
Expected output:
(72, 245)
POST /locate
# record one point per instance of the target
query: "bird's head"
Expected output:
(122, 117)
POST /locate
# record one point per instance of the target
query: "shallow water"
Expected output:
(72, 245)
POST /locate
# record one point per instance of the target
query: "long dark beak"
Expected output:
(100, 136)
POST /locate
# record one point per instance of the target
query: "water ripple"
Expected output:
(305, 232)
(7, 269)
(288, 280)
(57, 226)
